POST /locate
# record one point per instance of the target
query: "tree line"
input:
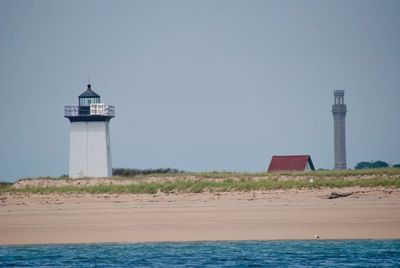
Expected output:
(372, 164)
(130, 172)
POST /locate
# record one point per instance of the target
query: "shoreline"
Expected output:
(274, 215)
(199, 241)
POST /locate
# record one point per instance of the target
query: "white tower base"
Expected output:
(90, 154)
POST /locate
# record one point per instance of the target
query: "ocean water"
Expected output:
(313, 253)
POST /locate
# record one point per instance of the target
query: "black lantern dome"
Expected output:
(88, 97)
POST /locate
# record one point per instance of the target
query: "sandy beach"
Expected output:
(369, 213)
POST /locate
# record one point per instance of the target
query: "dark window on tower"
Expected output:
(88, 101)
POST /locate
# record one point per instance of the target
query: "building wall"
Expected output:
(340, 141)
(340, 138)
(90, 152)
(307, 168)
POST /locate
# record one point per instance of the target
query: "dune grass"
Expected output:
(318, 173)
(5, 186)
(207, 185)
(224, 182)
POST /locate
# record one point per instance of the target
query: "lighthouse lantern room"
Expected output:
(90, 149)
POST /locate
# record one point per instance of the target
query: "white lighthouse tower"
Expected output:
(89, 151)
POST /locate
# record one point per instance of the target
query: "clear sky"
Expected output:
(199, 85)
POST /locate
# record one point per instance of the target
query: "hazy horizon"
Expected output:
(199, 85)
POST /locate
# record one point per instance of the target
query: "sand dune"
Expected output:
(260, 215)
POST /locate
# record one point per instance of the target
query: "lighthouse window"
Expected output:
(88, 101)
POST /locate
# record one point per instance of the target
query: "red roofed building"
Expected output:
(290, 163)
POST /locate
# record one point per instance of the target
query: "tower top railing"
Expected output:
(339, 109)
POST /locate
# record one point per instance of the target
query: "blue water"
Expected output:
(340, 253)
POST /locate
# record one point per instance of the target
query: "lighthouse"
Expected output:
(89, 149)
(339, 110)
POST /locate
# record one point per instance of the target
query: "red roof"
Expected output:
(290, 163)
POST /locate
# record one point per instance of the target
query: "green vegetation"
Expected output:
(5, 186)
(371, 165)
(310, 174)
(130, 172)
(225, 182)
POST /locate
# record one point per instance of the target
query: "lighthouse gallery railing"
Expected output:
(71, 111)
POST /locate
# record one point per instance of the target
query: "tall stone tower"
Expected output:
(89, 150)
(339, 115)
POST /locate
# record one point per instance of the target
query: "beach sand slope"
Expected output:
(368, 213)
